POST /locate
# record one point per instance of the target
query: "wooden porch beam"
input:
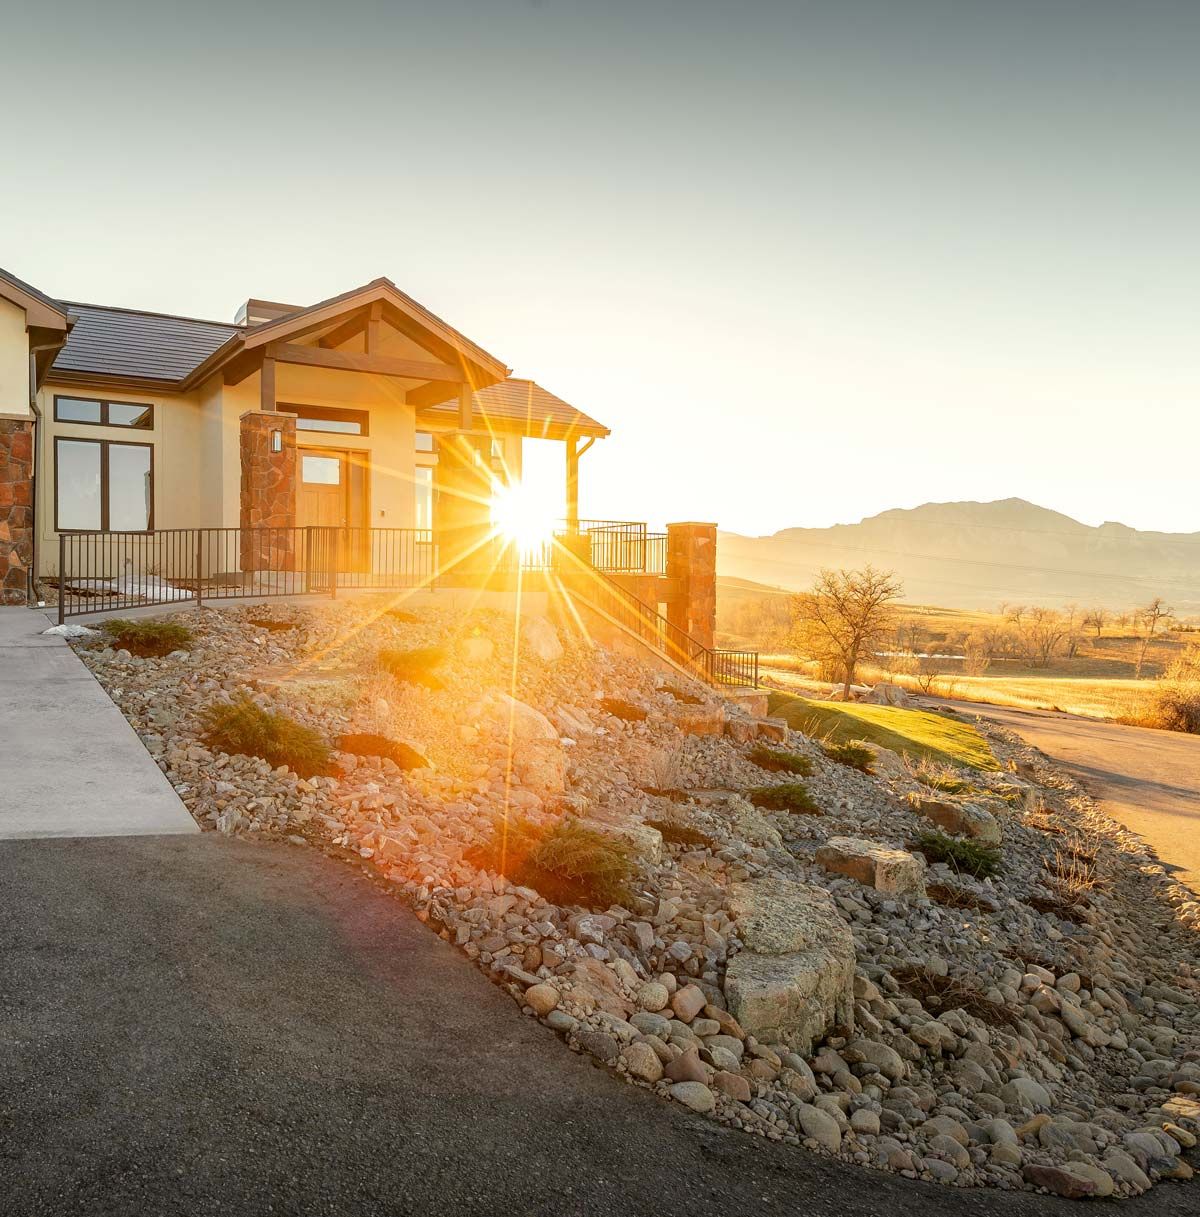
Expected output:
(349, 328)
(267, 387)
(466, 407)
(373, 319)
(348, 361)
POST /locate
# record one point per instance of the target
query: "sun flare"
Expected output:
(522, 515)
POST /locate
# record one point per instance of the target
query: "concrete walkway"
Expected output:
(70, 765)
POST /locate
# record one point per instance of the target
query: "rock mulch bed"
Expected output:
(806, 978)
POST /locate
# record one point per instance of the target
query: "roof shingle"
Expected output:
(523, 401)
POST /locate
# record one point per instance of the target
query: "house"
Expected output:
(358, 437)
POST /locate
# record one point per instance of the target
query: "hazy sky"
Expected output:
(808, 260)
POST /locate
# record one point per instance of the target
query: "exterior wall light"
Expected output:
(276, 441)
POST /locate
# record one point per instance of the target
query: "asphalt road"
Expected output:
(193, 1025)
(1147, 780)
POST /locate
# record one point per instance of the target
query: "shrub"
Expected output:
(624, 710)
(365, 744)
(244, 728)
(675, 832)
(967, 857)
(774, 760)
(417, 667)
(856, 756)
(1176, 707)
(956, 897)
(941, 993)
(148, 639)
(790, 796)
(565, 862)
(938, 776)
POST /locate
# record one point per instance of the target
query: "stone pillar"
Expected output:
(692, 577)
(462, 508)
(16, 509)
(268, 499)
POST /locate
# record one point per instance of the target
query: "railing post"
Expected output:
(308, 559)
(62, 578)
(337, 561)
(199, 567)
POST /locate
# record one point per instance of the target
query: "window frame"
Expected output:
(105, 509)
(328, 414)
(103, 403)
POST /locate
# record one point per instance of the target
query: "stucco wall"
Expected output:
(14, 361)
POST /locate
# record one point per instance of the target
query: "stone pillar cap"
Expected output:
(281, 414)
(692, 524)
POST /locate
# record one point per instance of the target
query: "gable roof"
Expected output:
(516, 400)
(121, 342)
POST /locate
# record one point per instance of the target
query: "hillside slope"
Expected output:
(978, 555)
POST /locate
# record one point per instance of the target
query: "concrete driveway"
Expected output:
(197, 1025)
(1147, 780)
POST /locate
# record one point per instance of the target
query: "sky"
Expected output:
(809, 261)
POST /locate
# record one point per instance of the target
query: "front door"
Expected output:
(333, 494)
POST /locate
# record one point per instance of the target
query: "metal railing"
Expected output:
(111, 571)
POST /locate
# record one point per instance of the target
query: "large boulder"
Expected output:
(538, 760)
(540, 639)
(874, 864)
(698, 720)
(960, 819)
(794, 979)
(888, 695)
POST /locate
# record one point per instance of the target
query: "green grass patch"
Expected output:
(147, 639)
(915, 733)
(775, 760)
(967, 857)
(244, 728)
(566, 863)
(790, 796)
(416, 667)
(851, 754)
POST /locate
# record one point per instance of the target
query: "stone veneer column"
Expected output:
(268, 497)
(16, 509)
(692, 576)
(462, 513)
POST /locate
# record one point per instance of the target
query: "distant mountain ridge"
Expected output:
(979, 555)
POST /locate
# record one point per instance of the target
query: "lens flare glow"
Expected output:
(523, 516)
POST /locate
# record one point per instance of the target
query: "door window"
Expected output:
(321, 470)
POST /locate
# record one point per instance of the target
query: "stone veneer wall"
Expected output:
(268, 495)
(692, 575)
(16, 509)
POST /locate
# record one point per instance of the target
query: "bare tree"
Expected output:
(1150, 617)
(1096, 619)
(976, 656)
(845, 615)
(1040, 634)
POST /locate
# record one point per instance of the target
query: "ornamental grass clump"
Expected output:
(416, 667)
(855, 756)
(789, 796)
(565, 862)
(244, 728)
(147, 639)
(775, 760)
(967, 857)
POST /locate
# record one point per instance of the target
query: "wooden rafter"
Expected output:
(349, 361)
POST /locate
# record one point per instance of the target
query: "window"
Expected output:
(103, 486)
(321, 470)
(424, 441)
(326, 418)
(423, 491)
(104, 413)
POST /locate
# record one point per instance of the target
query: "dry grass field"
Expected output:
(1097, 679)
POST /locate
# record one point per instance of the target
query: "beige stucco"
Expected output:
(14, 360)
(197, 473)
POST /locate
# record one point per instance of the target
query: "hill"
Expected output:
(979, 555)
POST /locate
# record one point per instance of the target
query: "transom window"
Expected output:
(103, 486)
(102, 413)
(424, 441)
(328, 418)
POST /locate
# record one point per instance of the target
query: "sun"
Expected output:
(522, 516)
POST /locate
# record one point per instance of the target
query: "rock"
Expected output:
(820, 1126)
(695, 1095)
(1025, 1094)
(733, 1085)
(874, 865)
(561, 1021)
(599, 1044)
(476, 648)
(688, 1002)
(538, 758)
(1103, 1181)
(1120, 1164)
(887, 1060)
(796, 996)
(888, 695)
(687, 1067)
(1061, 1180)
(698, 720)
(961, 819)
(865, 1122)
(541, 998)
(540, 639)
(642, 1062)
(653, 996)
(642, 841)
